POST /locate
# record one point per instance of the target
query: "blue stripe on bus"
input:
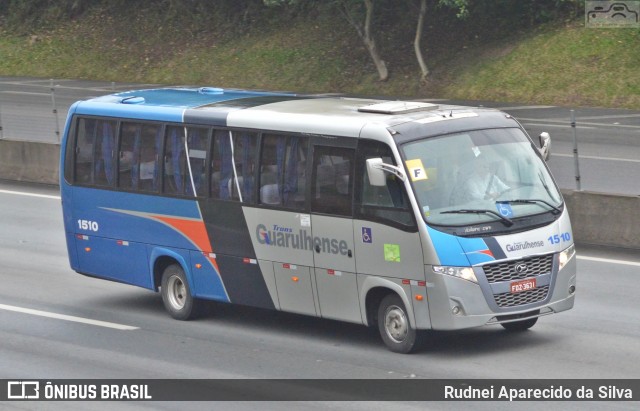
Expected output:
(448, 248)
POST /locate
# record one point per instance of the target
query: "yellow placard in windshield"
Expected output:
(416, 170)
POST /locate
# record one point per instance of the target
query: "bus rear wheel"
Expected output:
(176, 294)
(395, 328)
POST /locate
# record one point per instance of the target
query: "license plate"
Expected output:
(523, 285)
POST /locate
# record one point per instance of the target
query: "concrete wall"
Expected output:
(29, 161)
(597, 218)
(604, 219)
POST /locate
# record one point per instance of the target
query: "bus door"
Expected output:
(387, 241)
(332, 174)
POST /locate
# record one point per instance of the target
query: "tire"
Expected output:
(176, 294)
(520, 325)
(394, 326)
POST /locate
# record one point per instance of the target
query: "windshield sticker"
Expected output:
(392, 253)
(476, 150)
(504, 209)
(416, 169)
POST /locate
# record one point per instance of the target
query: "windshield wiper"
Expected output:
(504, 219)
(556, 210)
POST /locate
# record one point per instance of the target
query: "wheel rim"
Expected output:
(396, 324)
(177, 292)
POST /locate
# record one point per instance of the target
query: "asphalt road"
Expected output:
(608, 139)
(598, 339)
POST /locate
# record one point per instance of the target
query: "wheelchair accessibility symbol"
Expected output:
(366, 235)
(504, 209)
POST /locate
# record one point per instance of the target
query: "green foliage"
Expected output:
(503, 49)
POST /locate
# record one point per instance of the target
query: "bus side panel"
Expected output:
(206, 281)
(387, 251)
(72, 251)
(244, 281)
(117, 260)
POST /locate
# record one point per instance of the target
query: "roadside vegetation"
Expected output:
(520, 51)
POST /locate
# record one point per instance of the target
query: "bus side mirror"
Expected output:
(545, 145)
(376, 169)
(375, 172)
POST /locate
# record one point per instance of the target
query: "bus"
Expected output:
(402, 215)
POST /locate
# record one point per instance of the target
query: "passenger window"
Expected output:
(233, 165)
(244, 154)
(197, 144)
(283, 171)
(389, 203)
(95, 146)
(185, 144)
(332, 180)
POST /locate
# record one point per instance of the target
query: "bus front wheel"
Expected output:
(176, 294)
(394, 326)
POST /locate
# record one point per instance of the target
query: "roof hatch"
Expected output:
(398, 107)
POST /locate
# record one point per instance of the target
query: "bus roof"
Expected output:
(314, 114)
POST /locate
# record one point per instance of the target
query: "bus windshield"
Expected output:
(480, 176)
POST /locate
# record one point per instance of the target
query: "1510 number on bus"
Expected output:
(88, 225)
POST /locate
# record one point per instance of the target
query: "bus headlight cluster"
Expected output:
(466, 273)
(566, 256)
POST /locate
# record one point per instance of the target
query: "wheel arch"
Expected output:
(373, 290)
(160, 259)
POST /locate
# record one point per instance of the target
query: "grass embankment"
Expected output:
(571, 65)
(568, 65)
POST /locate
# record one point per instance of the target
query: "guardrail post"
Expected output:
(55, 111)
(575, 150)
(1, 133)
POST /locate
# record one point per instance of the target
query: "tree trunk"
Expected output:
(416, 42)
(365, 35)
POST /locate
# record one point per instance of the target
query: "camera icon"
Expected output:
(612, 14)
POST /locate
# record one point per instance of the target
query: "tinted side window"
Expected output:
(197, 144)
(283, 171)
(185, 160)
(140, 145)
(176, 175)
(244, 155)
(233, 162)
(95, 152)
(388, 203)
(332, 180)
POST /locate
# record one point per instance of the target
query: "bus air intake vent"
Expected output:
(525, 297)
(513, 270)
(398, 107)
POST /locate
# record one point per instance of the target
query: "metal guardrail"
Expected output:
(38, 112)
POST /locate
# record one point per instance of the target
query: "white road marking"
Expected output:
(28, 93)
(609, 116)
(522, 107)
(630, 160)
(22, 193)
(608, 260)
(67, 318)
(555, 125)
(578, 123)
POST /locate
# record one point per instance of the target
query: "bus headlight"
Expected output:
(466, 273)
(566, 256)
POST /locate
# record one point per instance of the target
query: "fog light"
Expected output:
(572, 289)
(455, 310)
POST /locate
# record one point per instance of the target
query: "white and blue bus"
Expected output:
(402, 215)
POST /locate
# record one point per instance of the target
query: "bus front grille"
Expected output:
(525, 297)
(508, 271)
